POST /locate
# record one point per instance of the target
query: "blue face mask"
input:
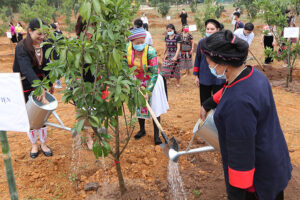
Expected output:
(213, 71)
(139, 47)
(170, 33)
(208, 34)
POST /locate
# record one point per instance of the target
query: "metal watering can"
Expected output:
(38, 113)
(207, 131)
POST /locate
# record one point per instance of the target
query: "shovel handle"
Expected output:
(256, 60)
(157, 122)
(154, 117)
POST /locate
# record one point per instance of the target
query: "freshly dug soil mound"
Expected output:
(272, 73)
(136, 189)
(277, 77)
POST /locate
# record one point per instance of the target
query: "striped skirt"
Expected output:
(171, 69)
(186, 61)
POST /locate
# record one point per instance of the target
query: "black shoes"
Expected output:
(157, 140)
(34, 155)
(47, 153)
(140, 134)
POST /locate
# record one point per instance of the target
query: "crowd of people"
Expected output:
(253, 148)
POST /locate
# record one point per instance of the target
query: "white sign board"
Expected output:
(168, 18)
(192, 28)
(13, 114)
(8, 35)
(291, 32)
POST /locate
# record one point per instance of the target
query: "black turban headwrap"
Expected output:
(225, 48)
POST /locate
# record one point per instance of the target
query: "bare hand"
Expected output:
(174, 58)
(41, 97)
(146, 96)
(51, 90)
(196, 81)
(203, 113)
(191, 52)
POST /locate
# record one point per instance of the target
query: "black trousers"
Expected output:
(268, 42)
(240, 194)
(207, 91)
(146, 27)
(20, 37)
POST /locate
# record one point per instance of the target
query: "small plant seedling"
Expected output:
(196, 193)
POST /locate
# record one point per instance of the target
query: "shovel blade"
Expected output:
(165, 147)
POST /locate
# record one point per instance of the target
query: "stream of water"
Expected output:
(175, 182)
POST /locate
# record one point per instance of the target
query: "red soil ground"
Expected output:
(144, 166)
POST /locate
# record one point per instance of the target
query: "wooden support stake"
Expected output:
(8, 166)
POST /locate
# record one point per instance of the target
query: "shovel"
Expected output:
(169, 144)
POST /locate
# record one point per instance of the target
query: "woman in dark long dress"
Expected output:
(254, 152)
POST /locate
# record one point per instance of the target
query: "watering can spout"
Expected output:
(173, 155)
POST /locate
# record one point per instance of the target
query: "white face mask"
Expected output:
(246, 34)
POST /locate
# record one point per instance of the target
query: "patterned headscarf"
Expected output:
(137, 33)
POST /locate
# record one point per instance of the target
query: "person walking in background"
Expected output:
(13, 33)
(57, 33)
(207, 83)
(19, 31)
(57, 29)
(268, 40)
(238, 23)
(138, 23)
(171, 55)
(246, 33)
(144, 18)
(29, 62)
(144, 58)
(187, 48)
(86, 136)
(255, 156)
(233, 17)
(183, 15)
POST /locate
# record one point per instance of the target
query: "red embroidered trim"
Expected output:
(196, 69)
(28, 90)
(228, 86)
(218, 95)
(241, 179)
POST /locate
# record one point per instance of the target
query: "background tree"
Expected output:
(212, 10)
(103, 56)
(163, 8)
(274, 14)
(251, 8)
(40, 8)
(6, 16)
(68, 9)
